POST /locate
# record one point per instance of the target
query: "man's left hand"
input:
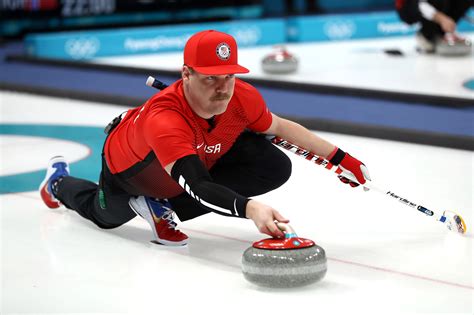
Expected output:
(351, 168)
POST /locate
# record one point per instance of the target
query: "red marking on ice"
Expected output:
(406, 274)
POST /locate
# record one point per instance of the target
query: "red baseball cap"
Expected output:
(212, 52)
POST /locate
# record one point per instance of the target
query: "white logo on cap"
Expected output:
(223, 51)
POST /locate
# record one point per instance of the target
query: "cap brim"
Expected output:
(221, 70)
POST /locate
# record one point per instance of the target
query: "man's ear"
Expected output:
(185, 72)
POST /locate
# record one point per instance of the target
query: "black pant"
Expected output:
(253, 166)
(455, 9)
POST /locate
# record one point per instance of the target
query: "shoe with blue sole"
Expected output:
(57, 168)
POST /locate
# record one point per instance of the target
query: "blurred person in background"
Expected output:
(438, 20)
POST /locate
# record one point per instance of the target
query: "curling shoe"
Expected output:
(159, 215)
(57, 169)
(424, 45)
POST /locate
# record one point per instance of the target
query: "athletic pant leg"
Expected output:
(454, 9)
(83, 197)
(409, 12)
(431, 29)
(253, 166)
(457, 9)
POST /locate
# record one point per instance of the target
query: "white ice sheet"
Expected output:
(383, 257)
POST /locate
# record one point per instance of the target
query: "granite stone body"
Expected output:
(280, 62)
(454, 48)
(284, 268)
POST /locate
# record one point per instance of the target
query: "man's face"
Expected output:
(208, 95)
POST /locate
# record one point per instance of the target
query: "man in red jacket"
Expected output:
(196, 147)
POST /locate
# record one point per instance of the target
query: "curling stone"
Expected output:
(452, 45)
(284, 263)
(280, 61)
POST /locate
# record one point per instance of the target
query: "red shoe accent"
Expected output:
(47, 199)
(163, 226)
(168, 235)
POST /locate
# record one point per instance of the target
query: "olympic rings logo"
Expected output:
(246, 36)
(82, 47)
(341, 29)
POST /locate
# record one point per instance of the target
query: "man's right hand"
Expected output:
(264, 218)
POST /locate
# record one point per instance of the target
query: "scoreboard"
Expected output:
(15, 8)
(74, 8)
(18, 17)
(88, 7)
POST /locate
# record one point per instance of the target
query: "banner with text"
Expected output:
(91, 44)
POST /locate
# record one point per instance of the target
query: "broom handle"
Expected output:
(308, 155)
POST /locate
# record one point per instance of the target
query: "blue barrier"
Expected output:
(90, 44)
(352, 26)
